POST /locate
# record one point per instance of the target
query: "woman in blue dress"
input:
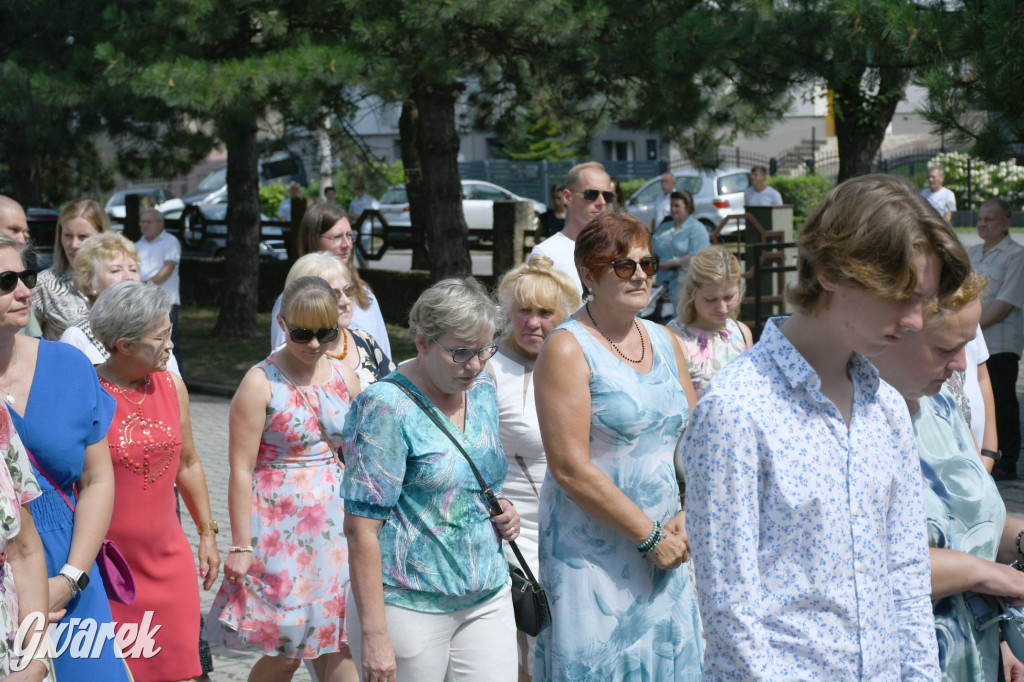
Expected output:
(677, 242)
(970, 536)
(62, 415)
(613, 396)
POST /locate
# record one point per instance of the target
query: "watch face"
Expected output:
(83, 581)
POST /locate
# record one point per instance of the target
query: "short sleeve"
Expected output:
(376, 450)
(173, 249)
(103, 410)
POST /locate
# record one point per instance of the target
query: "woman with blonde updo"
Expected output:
(712, 336)
(535, 298)
(55, 300)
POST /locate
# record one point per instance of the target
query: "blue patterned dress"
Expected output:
(614, 616)
(966, 513)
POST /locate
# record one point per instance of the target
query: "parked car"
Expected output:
(163, 201)
(210, 239)
(282, 167)
(42, 232)
(716, 194)
(478, 199)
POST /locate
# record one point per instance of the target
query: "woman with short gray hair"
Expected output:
(415, 515)
(152, 449)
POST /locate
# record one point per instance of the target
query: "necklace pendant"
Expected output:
(10, 399)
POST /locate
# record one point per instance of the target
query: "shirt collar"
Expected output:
(798, 372)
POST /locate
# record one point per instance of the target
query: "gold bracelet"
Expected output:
(209, 525)
(234, 549)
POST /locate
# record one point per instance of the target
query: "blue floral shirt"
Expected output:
(808, 538)
(439, 549)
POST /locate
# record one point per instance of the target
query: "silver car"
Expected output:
(716, 194)
(478, 199)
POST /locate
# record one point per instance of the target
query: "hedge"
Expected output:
(804, 193)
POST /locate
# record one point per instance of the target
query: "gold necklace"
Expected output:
(14, 361)
(643, 346)
(344, 348)
(144, 390)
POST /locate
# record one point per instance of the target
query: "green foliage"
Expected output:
(1003, 180)
(539, 139)
(271, 197)
(630, 186)
(804, 192)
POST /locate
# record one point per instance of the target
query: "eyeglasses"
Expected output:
(163, 338)
(347, 236)
(625, 268)
(9, 280)
(593, 194)
(349, 291)
(304, 336)
(461, 356)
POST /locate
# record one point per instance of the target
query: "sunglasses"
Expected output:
(461, 356)
(304, 336)
(625, 268)
(593, 194)
(9, 280)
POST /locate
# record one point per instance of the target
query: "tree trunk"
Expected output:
(408, 129)
(440, 190)
(861, 119)
(237, 316)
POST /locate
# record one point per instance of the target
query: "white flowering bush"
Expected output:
(1004, 180)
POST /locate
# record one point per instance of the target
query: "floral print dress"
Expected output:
(708, 352)
(292, 602)
(17, 487)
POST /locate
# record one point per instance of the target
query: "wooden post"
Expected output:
(291, 240)
(512, 219)
(132, 229)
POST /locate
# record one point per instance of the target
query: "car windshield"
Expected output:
(736, 182)
(116, 200)
(215, 180)
(395, 195)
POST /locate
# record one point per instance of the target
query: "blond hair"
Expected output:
(309, 302)
(96, 252)
(713, 265)
(80, 208)
(537, 283)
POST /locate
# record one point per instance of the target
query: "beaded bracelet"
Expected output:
(239, 548)
(1019, 536)
(651, 540)
(654, 547)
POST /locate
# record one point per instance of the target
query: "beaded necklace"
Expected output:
(643, 346)
(344, 348)
(153, 437)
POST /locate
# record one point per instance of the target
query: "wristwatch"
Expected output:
(209, 525)
(992, 454)
(79, 578)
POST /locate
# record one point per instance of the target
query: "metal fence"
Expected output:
(533, 179)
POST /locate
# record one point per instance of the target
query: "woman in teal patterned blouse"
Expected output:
(430, 584)
(971, 537)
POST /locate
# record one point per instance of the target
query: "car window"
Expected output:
(488, 193)
(648, 193)
(691, 183)
(736, 182)
(395, 195)
(116, 200)
(214, 180)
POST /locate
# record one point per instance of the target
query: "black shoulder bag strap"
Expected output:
(489, 495)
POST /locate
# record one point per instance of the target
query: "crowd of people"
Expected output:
(696, 505)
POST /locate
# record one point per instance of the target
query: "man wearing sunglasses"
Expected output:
(587, 194)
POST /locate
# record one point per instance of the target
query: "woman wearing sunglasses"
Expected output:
(62, 415)
(430, 584)
(285, 576)
(153, 451)
(325, 227)
(355, 347)
(57, 303)
(613, 395)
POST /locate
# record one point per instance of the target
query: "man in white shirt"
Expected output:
(159, 254)
(663, 204)
(1001, 260)
(941, 199)
(284, 209)
(362, 202)
(587, 194)
(759, 193)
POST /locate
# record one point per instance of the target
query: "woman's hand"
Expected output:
(36, 672)
(1013, 670)
(60, 595)
(672, 551)
(236, 567)
(1001, 580)
(507, 522)
(378, 658)
(678, 525)
(209, 559)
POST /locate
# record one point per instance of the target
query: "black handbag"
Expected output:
(529, 601)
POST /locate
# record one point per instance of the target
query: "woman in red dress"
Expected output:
(151, 445)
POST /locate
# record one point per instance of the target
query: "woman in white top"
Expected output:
(537, 298)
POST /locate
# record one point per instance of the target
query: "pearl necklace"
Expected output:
(643, 346)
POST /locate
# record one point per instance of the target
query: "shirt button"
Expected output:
(862, 568)
(858, 512)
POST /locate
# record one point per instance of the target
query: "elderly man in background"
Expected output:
(1000, 259)
(587, 194)
(160, 253)
(14, 224)
(663, 204)
(942, 200)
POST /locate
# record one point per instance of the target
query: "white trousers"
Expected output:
(478, 643)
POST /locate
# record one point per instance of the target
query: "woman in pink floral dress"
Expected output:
(712, 336)
(286, 572)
